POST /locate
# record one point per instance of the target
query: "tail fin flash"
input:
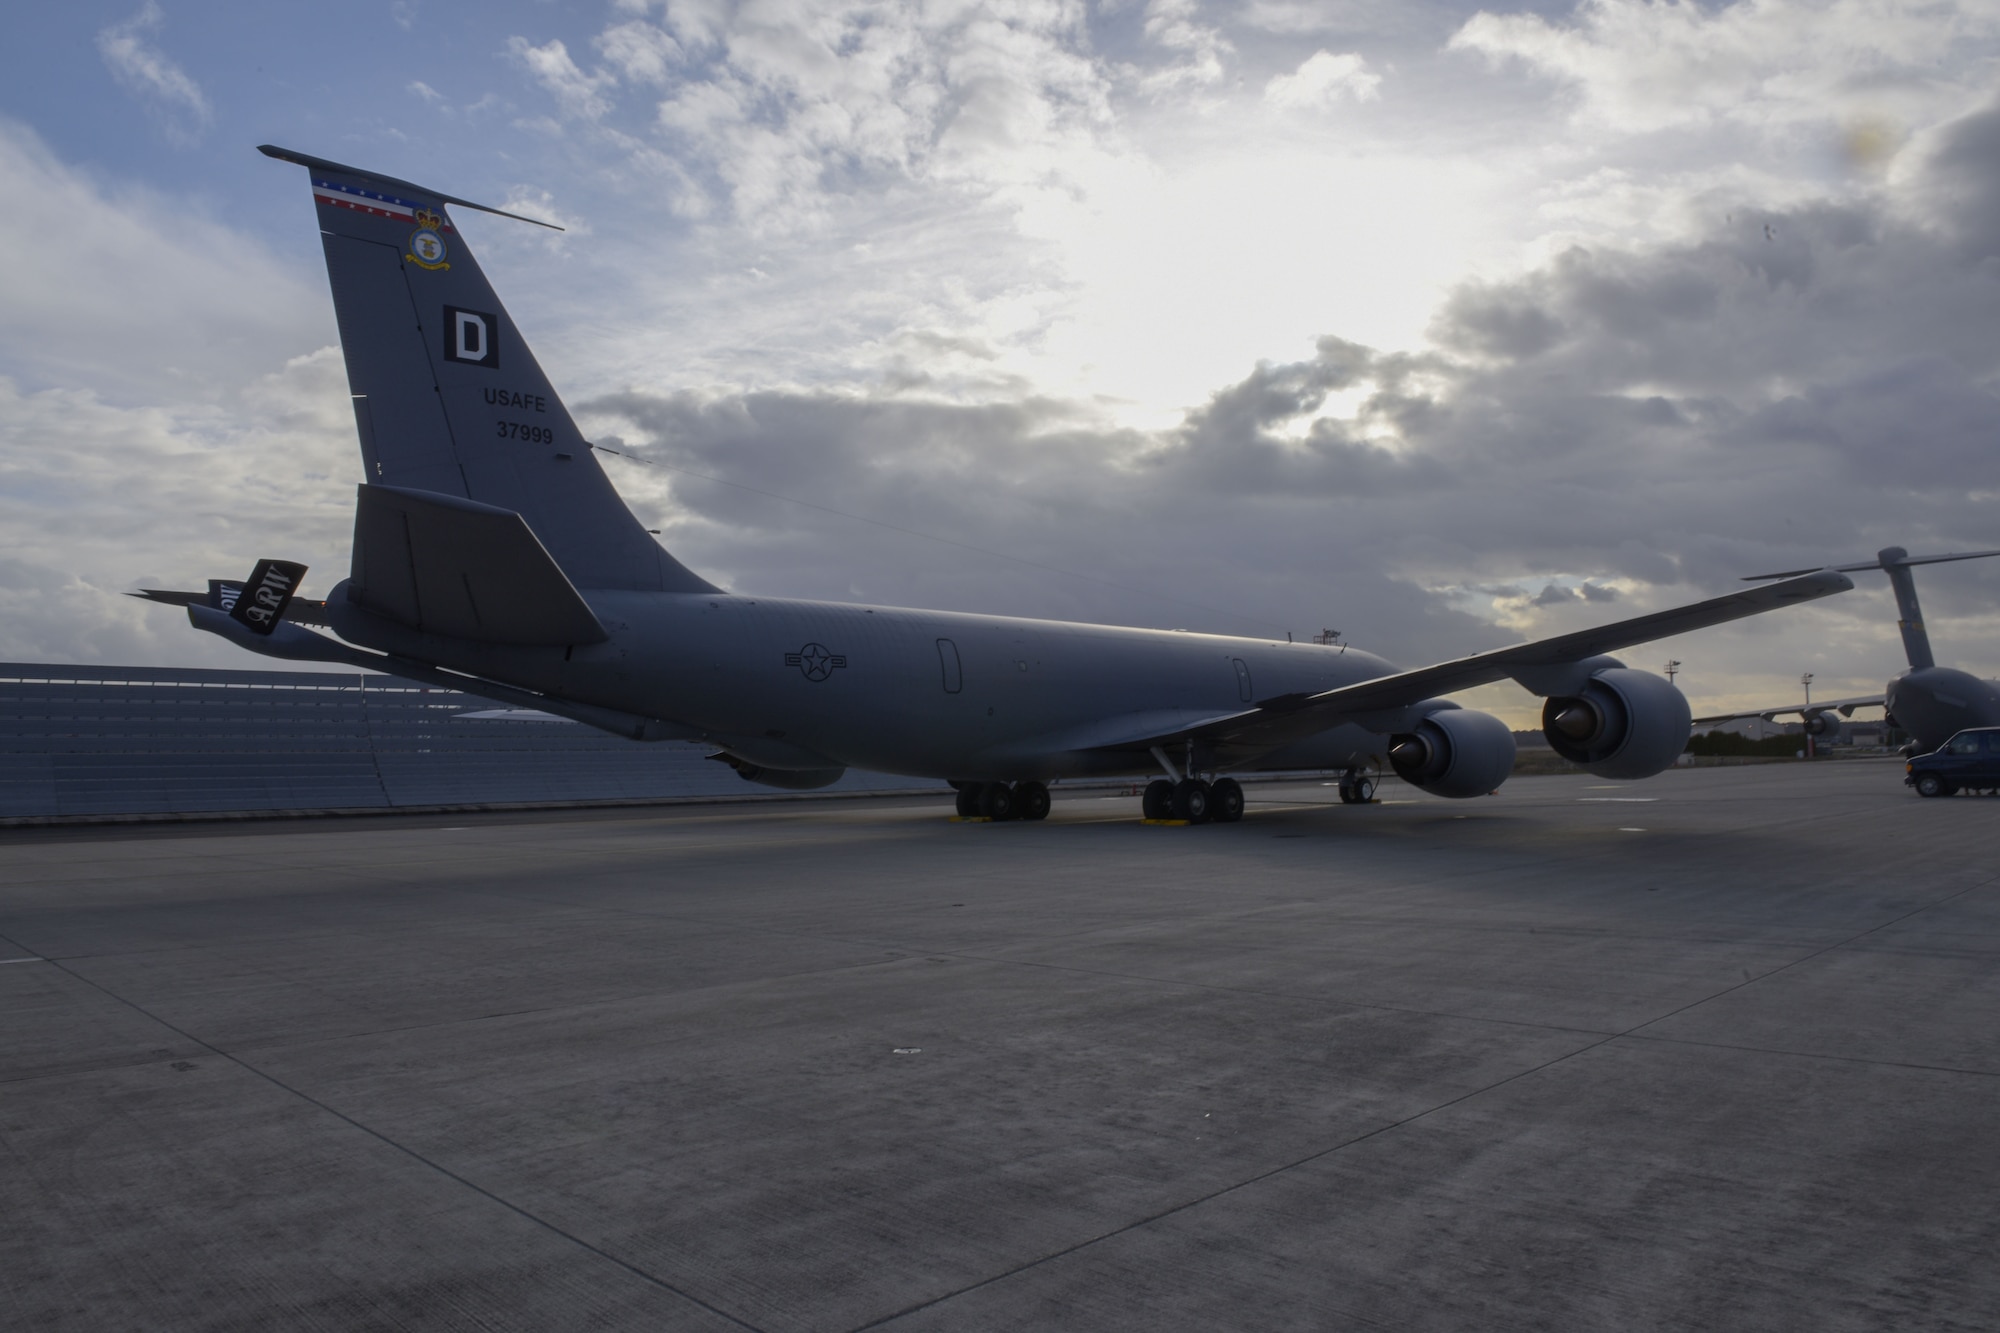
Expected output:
(447, 396)
(1896, 564)
(260, 603)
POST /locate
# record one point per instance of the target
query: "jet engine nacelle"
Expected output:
(1454, 752)
(1624, 724)
(1823, 724)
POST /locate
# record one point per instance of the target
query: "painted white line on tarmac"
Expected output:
(5, 961)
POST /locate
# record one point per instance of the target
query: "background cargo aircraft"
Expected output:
(1931, 702)
(491, 555)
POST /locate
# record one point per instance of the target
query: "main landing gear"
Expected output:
(1356, 788)
(1195, 801)
(999, 801)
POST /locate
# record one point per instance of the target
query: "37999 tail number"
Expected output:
(521, 430)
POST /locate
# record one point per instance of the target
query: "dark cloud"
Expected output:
(1498, 322)
(1218, 525)
(1965, 181)
(1789, 388)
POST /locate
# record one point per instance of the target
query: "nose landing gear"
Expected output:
(1356, 788)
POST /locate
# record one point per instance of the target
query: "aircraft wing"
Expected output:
(1845, 707)
(1292, 717)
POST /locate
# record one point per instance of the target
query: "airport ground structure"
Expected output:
(1718, 1050)
(104, 742)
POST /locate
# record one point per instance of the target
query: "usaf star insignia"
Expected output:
(815, 661)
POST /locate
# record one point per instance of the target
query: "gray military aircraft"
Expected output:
(1931, 702)
(492, 556)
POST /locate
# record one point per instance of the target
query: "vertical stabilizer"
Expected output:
(447, 396)
(1909, 616)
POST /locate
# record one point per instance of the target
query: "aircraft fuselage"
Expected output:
(1935, 703)
(927, 693)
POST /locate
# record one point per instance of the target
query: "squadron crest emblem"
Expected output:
(427, 248)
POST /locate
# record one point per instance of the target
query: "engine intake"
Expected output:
(1625, 724)
(1454, 752)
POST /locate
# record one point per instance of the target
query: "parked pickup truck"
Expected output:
(1969, 760)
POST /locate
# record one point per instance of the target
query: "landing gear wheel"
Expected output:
(1930, 784)
(1225, 801)
(996, 802)
(1364, 790)
(1158, 802)
(1031, 800)
(1191, 800)
(1346, 792)
(968, 801)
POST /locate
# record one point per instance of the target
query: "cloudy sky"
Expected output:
(1438, 324)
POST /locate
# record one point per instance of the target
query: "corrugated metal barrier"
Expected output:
(164, 740)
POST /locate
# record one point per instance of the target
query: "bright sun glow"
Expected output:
(1215, 263)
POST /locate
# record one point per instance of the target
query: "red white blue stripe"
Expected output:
(372, 202)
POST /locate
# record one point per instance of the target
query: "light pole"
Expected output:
(1673, 665)
(1812, 751)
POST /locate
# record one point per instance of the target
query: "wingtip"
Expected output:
(1822, 583)
(168, 596)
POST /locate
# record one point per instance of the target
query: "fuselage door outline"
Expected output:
(954, 675)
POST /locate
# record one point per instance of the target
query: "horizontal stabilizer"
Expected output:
(222, 593)
(451, 566)
(1885, 560)
(296, 644)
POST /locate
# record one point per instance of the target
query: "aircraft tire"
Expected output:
(1364, 790)
(1158, 802)
(1225, 801)
(996, 802)
(1032, 800)
(1346, 792)
(1930, 784)
(1192, 801)
(968, 801)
